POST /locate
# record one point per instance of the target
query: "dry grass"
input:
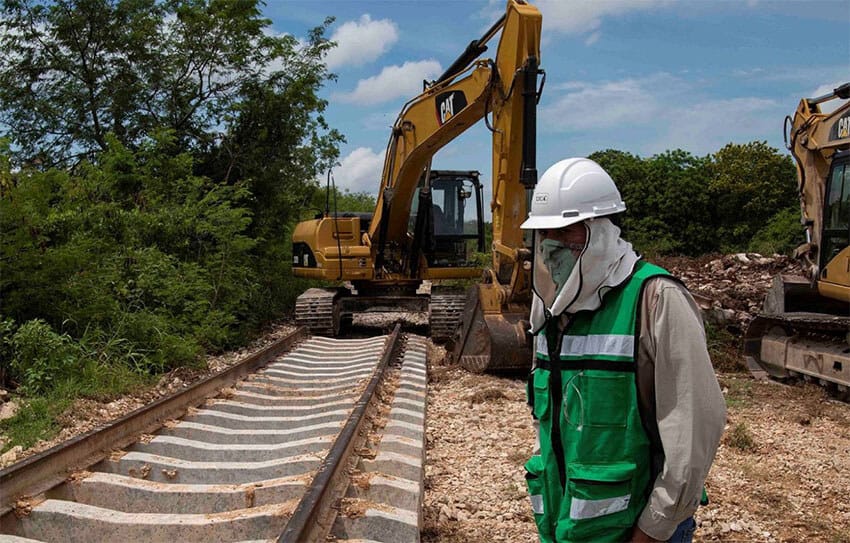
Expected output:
(741, 439)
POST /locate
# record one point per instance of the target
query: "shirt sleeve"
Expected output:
(690, 409)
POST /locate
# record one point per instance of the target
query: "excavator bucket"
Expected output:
(491, 341)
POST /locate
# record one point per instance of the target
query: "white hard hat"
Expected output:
(571, 191)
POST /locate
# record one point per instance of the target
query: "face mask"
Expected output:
(559, 260)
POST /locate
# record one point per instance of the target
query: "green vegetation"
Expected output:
(781, 233)
(150, 174)
(737, 199)
(740, 392)
(35, 420)
(724, 349)
(52, 371)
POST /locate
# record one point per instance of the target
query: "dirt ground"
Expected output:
(782, 472)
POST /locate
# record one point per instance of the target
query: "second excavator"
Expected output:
(804, 328)
(428, 223)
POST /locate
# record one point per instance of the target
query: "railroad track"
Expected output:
(325, 441)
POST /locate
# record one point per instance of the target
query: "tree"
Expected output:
(83, 76)
(750, 184)
(277, 143)
(678, 196)
(667, 200)
(75, 70)
(627, 170)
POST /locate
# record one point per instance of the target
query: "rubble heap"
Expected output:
(730, 289)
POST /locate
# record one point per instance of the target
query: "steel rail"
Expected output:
(311, 521)
(43, 471)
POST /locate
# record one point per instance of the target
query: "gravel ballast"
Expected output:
(479, 435)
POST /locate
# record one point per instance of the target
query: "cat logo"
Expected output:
(449, 104)
(844, 127)
(841, 128)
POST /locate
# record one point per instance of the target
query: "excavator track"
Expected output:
(446, 310)
(810, 323)
(811, 346)
(315, 310)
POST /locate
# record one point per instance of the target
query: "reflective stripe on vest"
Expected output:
(597, 344)
(582, 509)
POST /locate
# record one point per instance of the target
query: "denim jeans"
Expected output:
(684, 532)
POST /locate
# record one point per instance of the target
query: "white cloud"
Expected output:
(360, 171)
(589, 106)
(659, 112)
(753, 73)
(575, 17)
(393, 82)
(360, 42)
(799, 74)
(593, 38)
(585, 16)
(705, 126)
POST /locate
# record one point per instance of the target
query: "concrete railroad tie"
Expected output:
(392, 502)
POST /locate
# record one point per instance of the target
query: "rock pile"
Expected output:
(731, 288)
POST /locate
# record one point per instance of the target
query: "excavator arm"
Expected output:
(470, 89)
(820, 143)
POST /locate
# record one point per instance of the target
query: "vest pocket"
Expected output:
(599, 499)
(536, 481)
(539, 393)
(598, 399)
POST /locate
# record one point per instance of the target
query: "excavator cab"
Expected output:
(453, 230)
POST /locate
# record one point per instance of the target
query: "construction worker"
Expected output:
(629, 409)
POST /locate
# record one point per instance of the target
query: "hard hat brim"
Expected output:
(549, 222)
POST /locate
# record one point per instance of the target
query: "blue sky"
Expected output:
(641, 76)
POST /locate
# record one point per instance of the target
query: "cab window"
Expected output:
(838, 199)
(836, 217)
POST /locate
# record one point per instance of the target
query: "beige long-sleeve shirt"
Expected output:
(674, 368)
(678, 388)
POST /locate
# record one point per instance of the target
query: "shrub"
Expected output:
(780, 235)
(41, 356)
(7, 331)
(740, 438)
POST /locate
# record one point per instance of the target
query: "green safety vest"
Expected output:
(591, 479)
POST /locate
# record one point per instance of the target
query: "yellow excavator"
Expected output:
(804, 328)
(428, 224)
